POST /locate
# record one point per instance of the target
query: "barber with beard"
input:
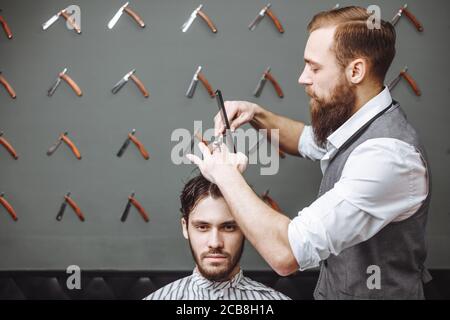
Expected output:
(366, 229)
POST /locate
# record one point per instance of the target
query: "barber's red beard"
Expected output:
(327, 115)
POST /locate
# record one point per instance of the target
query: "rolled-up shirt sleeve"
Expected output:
(370, 194)
(320, 229)
(307, 146)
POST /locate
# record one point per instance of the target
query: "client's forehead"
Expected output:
(210, 210)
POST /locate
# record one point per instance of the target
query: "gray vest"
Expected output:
(398, 249)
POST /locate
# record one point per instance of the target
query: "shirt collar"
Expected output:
(202, 282)
(360, 118)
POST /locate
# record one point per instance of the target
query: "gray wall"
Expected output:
(165, 59)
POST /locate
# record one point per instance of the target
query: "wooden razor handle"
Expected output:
(412, 83)
(140, 85)
(140, 146)
(6, 28)
(208, 87)
(275, 84)
(275, 20)
(135, 16)
(208, 21)
(72, 84)
(71, 21)
(413, 19)
(75, 207)
(139, 208)
(8, 208)
(9, 147)
(72, 146)
(272, 203)
(8, 87)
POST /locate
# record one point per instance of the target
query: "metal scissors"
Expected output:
(227, 137)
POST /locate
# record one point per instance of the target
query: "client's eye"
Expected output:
(230, 227)
(202, 227)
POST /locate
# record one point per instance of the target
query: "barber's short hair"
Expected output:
(194, 191)
(353, 39)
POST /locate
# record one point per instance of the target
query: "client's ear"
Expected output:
(184, 226)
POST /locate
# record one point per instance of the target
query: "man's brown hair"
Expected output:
(195, 190)
(353, 39)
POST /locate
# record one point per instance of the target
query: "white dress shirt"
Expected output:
(384, 180)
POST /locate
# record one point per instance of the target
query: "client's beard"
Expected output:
(328, 115)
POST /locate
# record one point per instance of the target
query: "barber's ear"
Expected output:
(184, 226)
(356, 71)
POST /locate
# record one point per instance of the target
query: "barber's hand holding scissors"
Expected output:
(238, 112)
(218, 162)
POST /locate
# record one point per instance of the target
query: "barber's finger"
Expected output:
(239, 121)
(194, 159)
(204, 149)
(243, 162)
(219, 126)
(231, 108)
(223, 148)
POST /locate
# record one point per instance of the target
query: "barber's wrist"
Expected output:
(259, 114)
(258, 111)
(226, 175)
